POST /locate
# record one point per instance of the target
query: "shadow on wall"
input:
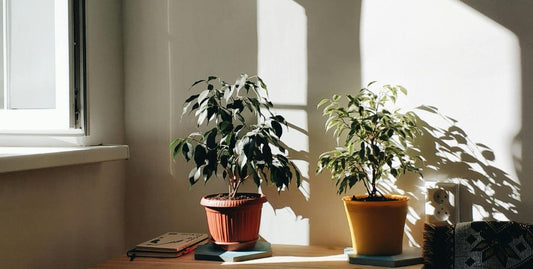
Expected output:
(333, 62)
(487, 192)
(283, 220)
(170, 47)
(516, 16)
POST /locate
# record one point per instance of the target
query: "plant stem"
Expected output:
(366, 186)
(237, 185)
(373, 193)
(233, 186)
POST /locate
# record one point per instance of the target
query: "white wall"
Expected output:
(327, 33)
(73, 216)
(518, 150)
(468, 62)
(445, 53)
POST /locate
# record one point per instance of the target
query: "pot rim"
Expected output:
(207, 202)
(402, 199)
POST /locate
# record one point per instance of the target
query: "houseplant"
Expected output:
(372, 140)
(239, 141)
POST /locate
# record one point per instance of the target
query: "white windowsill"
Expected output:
(27, 158)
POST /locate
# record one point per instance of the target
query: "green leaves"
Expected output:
(382, 134)
(199, 155)
(191, 98)
(225, 127)
(263, 85)
(230, 140)
(197, 82)
(322, 102)
(276, 126)
(186, 150)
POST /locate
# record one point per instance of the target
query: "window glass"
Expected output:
(31, 53)
(36, 87)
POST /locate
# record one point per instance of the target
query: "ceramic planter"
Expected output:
(376, 227)
(234, 224)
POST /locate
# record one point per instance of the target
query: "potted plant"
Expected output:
(372, 140)
(239, 141)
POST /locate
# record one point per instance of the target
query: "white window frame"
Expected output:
(49, 148)
(70, 117)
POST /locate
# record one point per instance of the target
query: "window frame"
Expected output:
(78, 123)
(80, 66)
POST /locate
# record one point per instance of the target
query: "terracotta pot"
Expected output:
(234, 224)
(376, 227)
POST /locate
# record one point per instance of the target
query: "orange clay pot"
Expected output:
(376, 227)
(234, 224)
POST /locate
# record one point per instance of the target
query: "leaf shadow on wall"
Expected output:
(486, 192)
(516, 17)
(284, 216)
(450, 154)
(300, 194)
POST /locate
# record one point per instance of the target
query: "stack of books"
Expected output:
(168, 245)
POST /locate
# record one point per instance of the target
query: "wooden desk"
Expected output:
(284, 256)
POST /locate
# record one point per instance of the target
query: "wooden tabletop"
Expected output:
(284, 256)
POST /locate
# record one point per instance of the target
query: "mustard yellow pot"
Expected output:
(376, 227)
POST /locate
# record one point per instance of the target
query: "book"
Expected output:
(409, 256)
(168, 245)
(171, 242)
(134, 253)
(210, 252)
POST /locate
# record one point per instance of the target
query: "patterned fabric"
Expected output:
(439, 246)
(480, 244)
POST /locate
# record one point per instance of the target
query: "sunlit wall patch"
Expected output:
(282, 63)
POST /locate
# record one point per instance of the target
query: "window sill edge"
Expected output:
(14, 159)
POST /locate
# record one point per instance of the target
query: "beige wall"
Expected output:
(167, 44)
(73, 217)
(64, 217)
(105, 73)
(170, 44)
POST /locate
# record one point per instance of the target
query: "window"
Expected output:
(42, 82)
(42, 67)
